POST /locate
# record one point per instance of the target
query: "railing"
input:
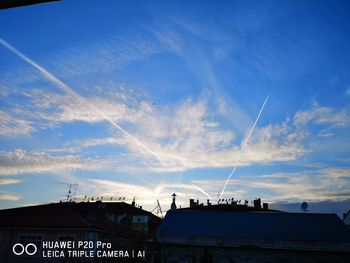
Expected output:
(258, 243)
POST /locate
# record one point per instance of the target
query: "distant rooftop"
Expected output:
(227, 208)
(254, 228)
(229, 205)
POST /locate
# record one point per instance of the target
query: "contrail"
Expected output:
(243, 146)
(72, 93)
(201, 190)
(256, 120)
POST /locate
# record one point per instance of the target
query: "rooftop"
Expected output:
(68, 215)
(214, 227)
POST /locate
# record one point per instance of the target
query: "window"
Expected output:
(140, 219)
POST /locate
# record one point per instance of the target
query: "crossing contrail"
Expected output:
(243, 146)
(49, 76)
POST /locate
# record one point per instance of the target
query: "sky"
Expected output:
(148, 98)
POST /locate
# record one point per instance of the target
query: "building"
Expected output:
(123, 225)
(126, 215)
(220, 234)
(346, 219)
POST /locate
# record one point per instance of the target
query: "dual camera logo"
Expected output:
(29, 249)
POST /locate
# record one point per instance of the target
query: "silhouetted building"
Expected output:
(346, 219)
(199, 235)
(125, 215)
(126, 226)
(228, 205)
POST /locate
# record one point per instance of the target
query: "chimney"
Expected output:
(192, 203)
(257, 203)
(265, 206)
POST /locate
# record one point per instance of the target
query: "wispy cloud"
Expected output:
(9, 181)
(187, 139)
(9, 197)
(89, 58)
(115, 53)
(203, 68)
(146, 195)
(22, 162)
(183, 135)
(11, 125)
(322, 116)
(311, 185)
(99, 141)
(186, 135)
(78, 99)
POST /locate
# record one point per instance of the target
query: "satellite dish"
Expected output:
(304, 206)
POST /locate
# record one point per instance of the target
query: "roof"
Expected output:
(49, 215)
(116, 207)
(185, 224)
(346, 219)
(68, 215)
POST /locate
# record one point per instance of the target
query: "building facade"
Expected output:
(124, 226)
(193, 236)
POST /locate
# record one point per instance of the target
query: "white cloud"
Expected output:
(112, 106)
(170, 40)
(11, 125)
(185, 135)
(9, 181)
(322, 116)
(311, 185)
(100, 141)
(9, 197)
(90, 58)
(221, 38)
(23, 162)
(105, 56)
(145, 195)
(326, 133)
(336, 173)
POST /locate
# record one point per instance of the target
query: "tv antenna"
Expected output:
(158, 209)
(72, 190)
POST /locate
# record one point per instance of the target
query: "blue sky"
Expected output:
(147, 98)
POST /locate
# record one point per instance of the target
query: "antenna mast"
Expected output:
(72, 190)
(158, 209)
